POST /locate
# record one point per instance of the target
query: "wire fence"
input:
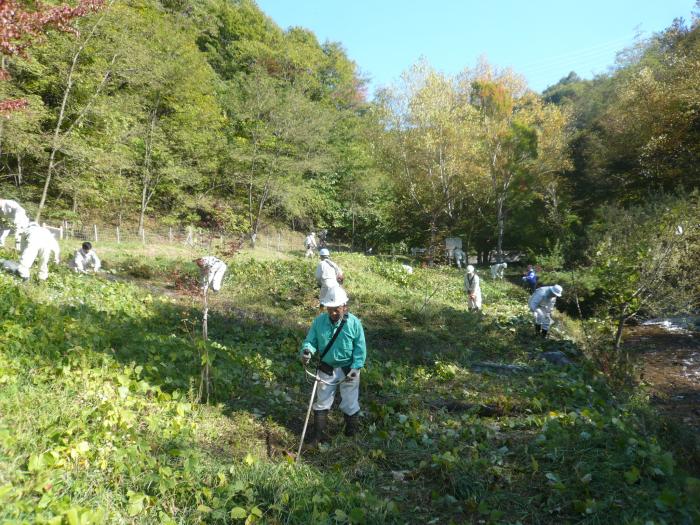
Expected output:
(277, 240)
(282, 241)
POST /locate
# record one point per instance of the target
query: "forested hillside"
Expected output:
(208, 113)
(191, 112)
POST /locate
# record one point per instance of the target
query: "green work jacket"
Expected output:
(349, 348)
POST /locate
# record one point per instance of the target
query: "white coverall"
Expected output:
(83, 261)
(13, 213)
(213, 271)
(37, 242)
(497, 270)
(459, 257)
(541, 304)
(473, 289)
(327, 273)
(310, 245)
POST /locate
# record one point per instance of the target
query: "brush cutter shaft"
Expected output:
(306, 422)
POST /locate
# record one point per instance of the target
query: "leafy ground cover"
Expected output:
(98, 423)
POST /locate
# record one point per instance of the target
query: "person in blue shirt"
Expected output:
(530, 278)
(341, 363)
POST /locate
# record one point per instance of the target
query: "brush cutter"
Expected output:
(317, 379)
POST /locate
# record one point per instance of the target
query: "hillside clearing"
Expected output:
(98, 422)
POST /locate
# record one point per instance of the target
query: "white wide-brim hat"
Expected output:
(335, 297)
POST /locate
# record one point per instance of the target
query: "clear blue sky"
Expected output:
(541, 39)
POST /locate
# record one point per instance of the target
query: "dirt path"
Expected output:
(670, 365)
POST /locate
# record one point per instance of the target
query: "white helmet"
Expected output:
(470, 269)
(334, 297)
(557, 290)
(323, 252)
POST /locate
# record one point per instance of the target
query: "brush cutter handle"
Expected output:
(318, 378)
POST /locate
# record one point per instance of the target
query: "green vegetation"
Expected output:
(207, 114)
(99, 426)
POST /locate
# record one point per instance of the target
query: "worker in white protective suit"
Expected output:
(36, 242)
(85, 259)
(541, 304)
(212, 270)
(460, 257)
(473, 289)
(328, 274)
(310, 244)
(497, 270)
(14, 218)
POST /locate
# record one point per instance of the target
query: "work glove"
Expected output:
(353, 375)
(305, 357)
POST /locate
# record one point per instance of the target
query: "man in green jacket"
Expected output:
(341, 363)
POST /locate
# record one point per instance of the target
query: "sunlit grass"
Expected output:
(114, 372)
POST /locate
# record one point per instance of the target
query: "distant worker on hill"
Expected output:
(212, 270)
(85, 259)
(340, 361)
(497, 270)
(13, 217)
(322, 237)
(36, 242)
(530, 278)
(473, 289)
(328, 274)
(459, 257)
(541, 304)
(310, 244)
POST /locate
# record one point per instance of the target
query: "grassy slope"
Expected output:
(98, 424)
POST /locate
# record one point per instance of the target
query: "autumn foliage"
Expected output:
(20, 27)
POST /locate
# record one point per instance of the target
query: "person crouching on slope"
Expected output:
(473, 289)
(530, 278)
(85, 259)
(341, 359)
(37, 241)
(212, 270)
(541, 304)
(497, 270)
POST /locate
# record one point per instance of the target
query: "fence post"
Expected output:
(279, 241)
(95, 226)
(170, 234)
(118, 237)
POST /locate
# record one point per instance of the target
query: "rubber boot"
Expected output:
(320, 421)
(544, 334)
(538, 329)
(351, 424)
